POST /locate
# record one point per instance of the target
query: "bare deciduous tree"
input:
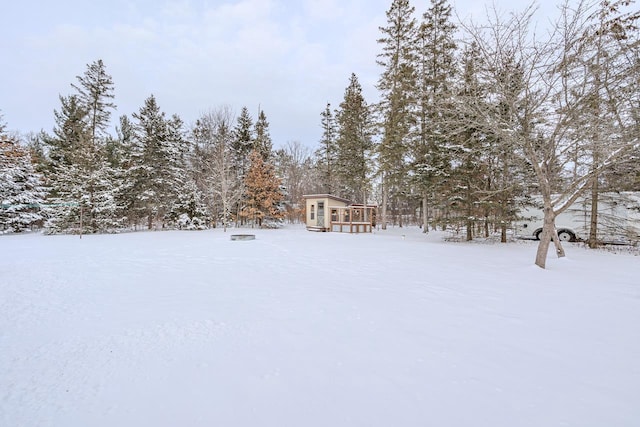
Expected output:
(217, 178)
(555, 84)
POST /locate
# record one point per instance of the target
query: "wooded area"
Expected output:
(471, 119)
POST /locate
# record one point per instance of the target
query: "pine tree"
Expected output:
(189, 210)
(262, 143)
(81, 178)
(354, 143)
(397, 86)
(243, 142)
(95, 92)
(21, 190)
(119, 154)
(263, 193)
(326, 155)
(436, 69)
(468, 179)
(66, 178)
(156, 170)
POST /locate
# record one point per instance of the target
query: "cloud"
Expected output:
(289, 58)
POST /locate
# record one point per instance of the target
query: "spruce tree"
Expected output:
(436, 71)
(354, 143)
(156, 169)
(69, 154)
(397, 86)
(326, 154)
(83, 180)
(21, 190)
(262, 143)
(468, 180)
(95, 92)
(243, 142)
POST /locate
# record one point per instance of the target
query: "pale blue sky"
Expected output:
(288, 57)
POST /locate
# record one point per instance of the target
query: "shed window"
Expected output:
(313, 213)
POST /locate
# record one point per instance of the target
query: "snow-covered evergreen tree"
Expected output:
(435, 71)
(95, 92)
(326, 154)
(189, 211)
(155, 176)
(243, 142)
(354, 144)
(397, 86)
(65, 179)
(21, 190)
(262, 142)
(80, 175)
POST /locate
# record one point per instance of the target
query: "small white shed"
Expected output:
(325, 212)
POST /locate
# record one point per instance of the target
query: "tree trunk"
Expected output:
(548, 229)
(593, 223)
(385, 197)
(425, 212)
(557, 243)
(549, 234)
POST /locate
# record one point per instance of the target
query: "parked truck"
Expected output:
(618, 219)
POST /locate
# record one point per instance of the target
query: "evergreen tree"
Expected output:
(469, 176)
(436, 70)
(68, 153)
(354, 143)
(189, 210)
(326, 155)
(95, 92)
(119, 155)
(262, 143)
(156, 170)
(263, 193)
(397, 86)
(82, 180)
(243, 142)
(21, 190)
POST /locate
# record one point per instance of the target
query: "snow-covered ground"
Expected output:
(314, 329)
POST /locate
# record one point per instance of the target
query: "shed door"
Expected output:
(320, 214)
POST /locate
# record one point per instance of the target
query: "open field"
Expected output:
(314, 329)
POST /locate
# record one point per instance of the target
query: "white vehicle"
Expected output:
(618, 219)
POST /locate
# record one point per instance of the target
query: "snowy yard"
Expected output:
(314, 329)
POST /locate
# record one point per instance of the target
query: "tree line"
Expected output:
(154, 173)
(475, 117)
(471, 119)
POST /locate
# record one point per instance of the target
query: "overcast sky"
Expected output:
(288, 57)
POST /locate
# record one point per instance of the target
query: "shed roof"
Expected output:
(326, 196)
